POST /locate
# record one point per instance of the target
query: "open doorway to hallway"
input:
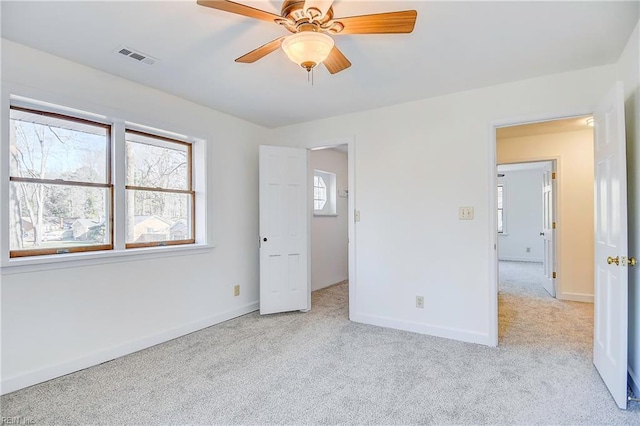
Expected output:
(568, 142)
(531, 227)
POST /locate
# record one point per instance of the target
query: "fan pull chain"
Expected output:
(310, 75)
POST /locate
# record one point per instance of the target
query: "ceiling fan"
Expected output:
(312, 23)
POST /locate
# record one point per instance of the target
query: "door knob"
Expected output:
(542, 234)
(615, 260)
(632, 261)
(264, 239)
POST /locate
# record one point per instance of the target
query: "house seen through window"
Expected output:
(159, 190)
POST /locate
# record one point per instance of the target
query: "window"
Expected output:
(160, 196)
(501, 224)
(60, 192)
(63, 198)
(324, 193)
(319, 193)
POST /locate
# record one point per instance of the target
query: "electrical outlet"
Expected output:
(236, 290)
(420, 302)
(528, 249)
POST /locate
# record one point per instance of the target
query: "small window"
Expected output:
(501, 224)
(60, 192)
(324, 193)
(160, 197)
(319, 193)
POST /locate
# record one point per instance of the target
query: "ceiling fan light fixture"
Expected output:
(307, 48)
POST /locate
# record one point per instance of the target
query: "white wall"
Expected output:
(58, 321)
(329, 234)
(629, 72)
(415, 164)
(574, 213)
(523, 216)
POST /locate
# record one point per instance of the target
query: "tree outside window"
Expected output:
(60, 184)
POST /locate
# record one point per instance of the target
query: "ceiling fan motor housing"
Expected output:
(293, 12)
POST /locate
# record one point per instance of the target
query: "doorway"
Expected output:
(568, 143)
(286, 205)
(330, 154)
(328, 170)
(526, 236)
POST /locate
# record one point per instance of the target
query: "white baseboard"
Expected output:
(575, 297)
(422, 328)
(519, 259)
(33, 377)
(634, 381)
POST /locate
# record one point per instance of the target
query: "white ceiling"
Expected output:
(455, 46)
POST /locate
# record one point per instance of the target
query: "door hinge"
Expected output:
(554, 275)
(553, 225)
(553, 175)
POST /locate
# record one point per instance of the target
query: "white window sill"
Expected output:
(74, 260)
(325, 215)
(502, 234)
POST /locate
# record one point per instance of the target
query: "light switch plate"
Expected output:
(465, 213)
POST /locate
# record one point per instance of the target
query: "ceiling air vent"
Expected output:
(136, 55)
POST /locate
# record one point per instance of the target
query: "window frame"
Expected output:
(205, 235)
(502, 209)
(325, 190)
(189, 191)
(330, 207)
(61, 182)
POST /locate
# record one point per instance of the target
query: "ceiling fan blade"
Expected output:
(261, 51)
(336, 61)
(380, 23)
(240, 9)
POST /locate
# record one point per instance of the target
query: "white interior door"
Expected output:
(548, 230)
(611, 279)
(284, 284)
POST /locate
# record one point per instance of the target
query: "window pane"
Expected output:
(45, 147)
(156, 163)
(158, 216)
(500, 223)
(57, 216)
(500, 188)
(322, 194)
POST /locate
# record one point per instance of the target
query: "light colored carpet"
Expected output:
(319, 368)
